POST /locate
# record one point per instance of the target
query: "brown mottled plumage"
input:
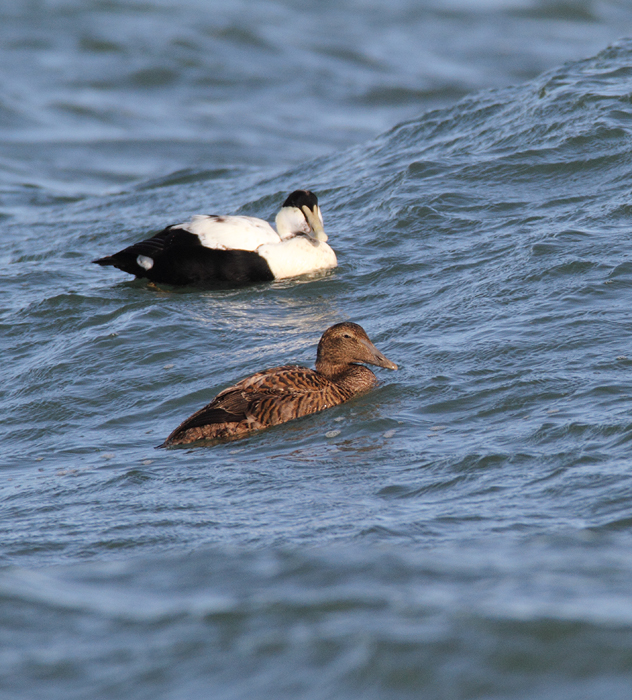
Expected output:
(281, 394)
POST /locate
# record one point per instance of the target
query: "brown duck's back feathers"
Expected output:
(281, 394)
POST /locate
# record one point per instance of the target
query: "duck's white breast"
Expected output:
(297, 256)
(231, 232)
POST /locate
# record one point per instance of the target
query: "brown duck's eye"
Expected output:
(346, 335)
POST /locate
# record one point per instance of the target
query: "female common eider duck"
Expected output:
(211, 250)
(281, 394)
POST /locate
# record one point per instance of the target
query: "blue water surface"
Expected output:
(461, 532)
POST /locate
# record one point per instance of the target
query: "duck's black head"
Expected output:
(301, 198)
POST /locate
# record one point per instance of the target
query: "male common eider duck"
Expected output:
(211, 250)
(281, 394)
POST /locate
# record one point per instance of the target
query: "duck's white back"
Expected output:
(231, 232)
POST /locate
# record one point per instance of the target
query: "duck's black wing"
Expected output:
(153, 247)
(176, 256)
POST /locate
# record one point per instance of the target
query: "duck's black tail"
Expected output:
(107, 260)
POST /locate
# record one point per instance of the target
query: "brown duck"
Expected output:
(281, 394)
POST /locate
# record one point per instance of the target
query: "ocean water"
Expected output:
(463, 531)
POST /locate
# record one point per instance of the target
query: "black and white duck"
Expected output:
(211, 250)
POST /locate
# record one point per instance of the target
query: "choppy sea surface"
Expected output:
(463, 531)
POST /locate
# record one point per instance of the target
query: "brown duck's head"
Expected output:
(347, 343)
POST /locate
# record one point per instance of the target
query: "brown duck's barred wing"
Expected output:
(284, 393)
(230, 406)
(284, 380)
(267, 398)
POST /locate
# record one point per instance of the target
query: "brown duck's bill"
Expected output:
(382, 361)
(377, 358)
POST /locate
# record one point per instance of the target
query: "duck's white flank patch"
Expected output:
(145, 262)
(231, 232)
(297, 256)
